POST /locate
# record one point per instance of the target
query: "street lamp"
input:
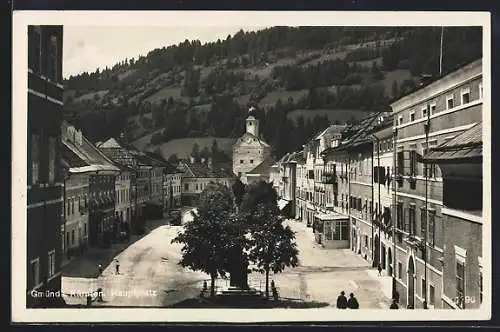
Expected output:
(427, 128)
(395, 213)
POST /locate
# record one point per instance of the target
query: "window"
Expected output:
(35, 49)
(52, 70)
(72, 206)
(413, 162)
(241, 161)
(52, 159)
(411, 220)
(400, 120)
(73, 236)
(433, 108)
(337, 230)
(401, 163)
(432, 295)
(460, 277)
(400, 271)
(186, 185)
(465, 96)
(424, 112)
(460, 255)
(431, 227)
(400, 215)
(52, 263)
(85, 229)
(423, 223)
(68, 212)
(251, 161)
(423, 288)
(480, 90)
(449, 102)
(35, 272)
(35, 158)
(412, 116)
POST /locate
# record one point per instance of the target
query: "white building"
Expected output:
(250, 150)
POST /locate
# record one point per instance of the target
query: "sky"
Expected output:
(89, 48)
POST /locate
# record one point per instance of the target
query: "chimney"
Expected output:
(191, 159)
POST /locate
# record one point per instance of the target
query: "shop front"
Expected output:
(331, 230)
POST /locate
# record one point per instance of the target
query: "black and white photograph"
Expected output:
(199, 166)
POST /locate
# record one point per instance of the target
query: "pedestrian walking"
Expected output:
(342, 301)
(352, 303)
(379, 269)
(100, 269)
(394, 304)
(117, 267)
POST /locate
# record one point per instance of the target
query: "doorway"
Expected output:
(411, 284)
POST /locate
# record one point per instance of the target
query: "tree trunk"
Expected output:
(212, 285)
(267, 282)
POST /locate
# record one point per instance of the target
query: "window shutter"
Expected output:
(406, 162)
(406, 221)
(381, 175)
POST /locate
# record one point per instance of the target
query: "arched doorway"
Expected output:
(411, 284)
(376, 254)
(389, 262)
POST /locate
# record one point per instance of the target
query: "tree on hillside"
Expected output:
(272, 246)
(214, 149)
(209, 239)
(173, 159)
(205, 153)
(195, 152)
(395, 89)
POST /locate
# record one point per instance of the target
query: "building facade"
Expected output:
(124, 201)
(424, 119)
(172, 188)
(198, 175)
(76, 213)
(460, 161)
(45, 183)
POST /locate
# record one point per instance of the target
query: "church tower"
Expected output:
(252, 123)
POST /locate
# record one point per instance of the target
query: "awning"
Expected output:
(451, 155)
(330, 216)
(282, 203)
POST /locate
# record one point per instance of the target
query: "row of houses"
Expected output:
(403, 189)
(81, 194)
(109, 190)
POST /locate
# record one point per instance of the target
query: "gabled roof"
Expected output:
(264, 167)
(79, 145)
(202, 170)
(330, 130)
(358, 134)
(466, 145)
(70, 158)
(110, 143)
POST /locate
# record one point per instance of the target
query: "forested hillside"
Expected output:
(300, 79)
